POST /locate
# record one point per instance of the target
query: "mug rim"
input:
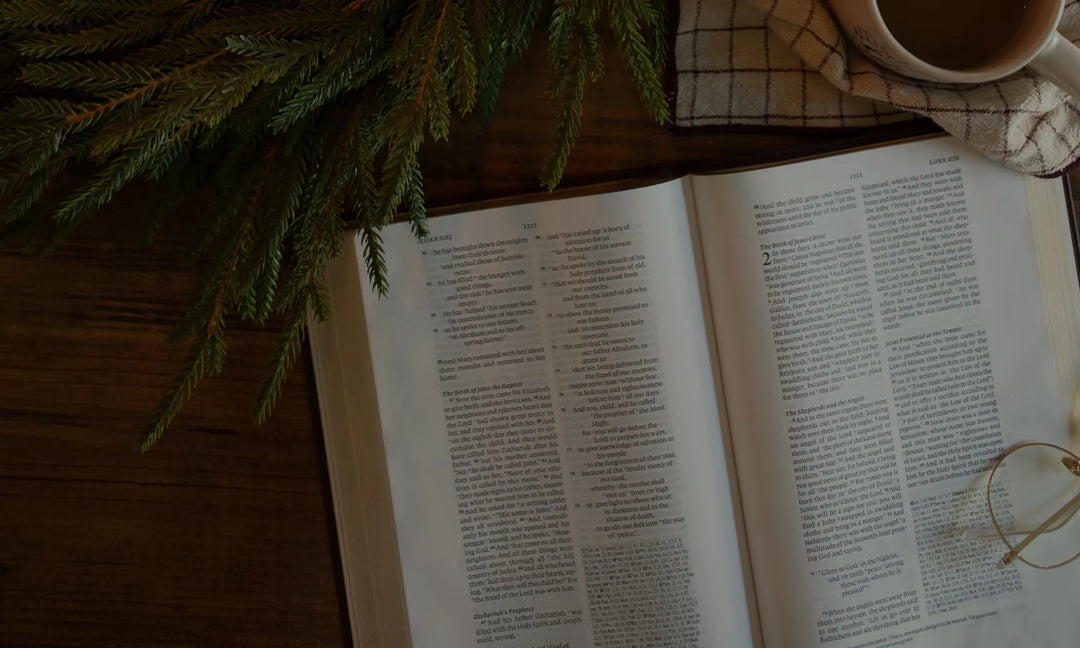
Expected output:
(979, 74)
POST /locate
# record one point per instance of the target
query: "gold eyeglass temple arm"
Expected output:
(1066, 511)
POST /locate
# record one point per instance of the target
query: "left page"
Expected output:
(553, 441)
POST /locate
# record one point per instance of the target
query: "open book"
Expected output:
(729, 410)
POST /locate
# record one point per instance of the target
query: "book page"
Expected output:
(883, 336)
(551, 429)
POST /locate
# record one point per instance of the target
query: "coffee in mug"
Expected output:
(954, 34)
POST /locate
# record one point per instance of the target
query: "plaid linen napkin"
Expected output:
(787, 63)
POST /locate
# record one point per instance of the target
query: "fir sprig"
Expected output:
(296, 111)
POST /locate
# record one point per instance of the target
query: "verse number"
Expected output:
(766, 259)
(529, 226)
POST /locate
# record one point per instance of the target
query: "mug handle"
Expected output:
(1059, 62)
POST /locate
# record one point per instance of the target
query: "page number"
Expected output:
(856, 176)
(529, 226)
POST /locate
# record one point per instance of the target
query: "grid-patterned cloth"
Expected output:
(787, 63)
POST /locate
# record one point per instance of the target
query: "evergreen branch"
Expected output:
(267, 47)
(292, 111)
(568, 126)
(231, 95)
(374, 257)
(62, 13)
(243, 292)
(166, 52)
(437, 109)
(575, 47)
(312, 300)
(462, 72)
(30, 109)
(206, 357)
(511, 33)
(28, 192)
(645, 67)
(179, 181)
(350, 65)
(317, 241)
(406, 124)
(213, 228)
(277, 219)
(30, 143)
(130, 125)
(206, 317)
(357, 155)
(96, 76)
(121, 33)
(415, 201)
(286, 21)
(430, 64)
(75, 118)
(135, 159)
(288, 349)
(33, 13)
(49, 149)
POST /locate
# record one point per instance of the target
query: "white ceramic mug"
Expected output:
(1036, 43)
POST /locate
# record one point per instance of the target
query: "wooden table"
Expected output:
(223, 534)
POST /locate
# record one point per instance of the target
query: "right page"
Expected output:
(889, 321)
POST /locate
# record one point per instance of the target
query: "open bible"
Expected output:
(728, 410)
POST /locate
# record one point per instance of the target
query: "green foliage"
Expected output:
(296, 112)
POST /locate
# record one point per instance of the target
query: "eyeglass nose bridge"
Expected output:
(1071, 464)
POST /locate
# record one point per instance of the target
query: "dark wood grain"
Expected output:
(220, 536)
(223, 534)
